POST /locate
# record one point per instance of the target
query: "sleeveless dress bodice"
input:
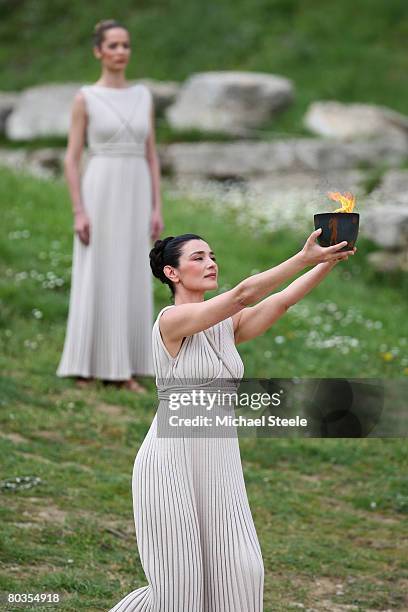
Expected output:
(118, 119)
(207, 355)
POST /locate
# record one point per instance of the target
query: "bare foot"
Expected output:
(83, 382)
(133, 385)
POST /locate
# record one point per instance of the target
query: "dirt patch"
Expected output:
(35, 500)
(379, 544)
(81, 466)
(323, 589)
(77, 393)
(34, 571)
(114, 411)
(67, 464)
(14, 437)
(387, 520)
(52, 514)
(36, 516)
(124, 530)
(329, 606)
(345, 506)
(35, 457)
(38, 512)
(49, 435)
(313, 478)
(110, 409)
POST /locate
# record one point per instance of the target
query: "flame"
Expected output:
(347, 201)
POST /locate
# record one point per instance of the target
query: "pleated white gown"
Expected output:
(195, 533)
(110, 317)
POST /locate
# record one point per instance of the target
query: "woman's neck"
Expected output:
(189, 297)
(112, 79)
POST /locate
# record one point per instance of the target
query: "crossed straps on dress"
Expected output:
(135, 147)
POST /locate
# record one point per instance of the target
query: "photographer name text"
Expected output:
(237, 421)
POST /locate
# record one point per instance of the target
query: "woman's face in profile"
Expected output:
(115, 50)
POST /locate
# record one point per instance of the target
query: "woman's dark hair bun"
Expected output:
(157, 258)
(167, 253)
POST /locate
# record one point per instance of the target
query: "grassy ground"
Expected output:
(330, 514)
(330, 49)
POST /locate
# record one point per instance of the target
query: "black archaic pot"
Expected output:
(337, 227)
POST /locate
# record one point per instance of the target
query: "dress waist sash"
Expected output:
(222, 387)
(119, 149)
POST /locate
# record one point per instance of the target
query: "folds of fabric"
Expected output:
(194, 529)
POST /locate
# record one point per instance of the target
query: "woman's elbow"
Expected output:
(152, 158)
(244, 295)
(286, 304)
(70, 163)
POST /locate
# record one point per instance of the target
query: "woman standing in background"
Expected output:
(117, 209)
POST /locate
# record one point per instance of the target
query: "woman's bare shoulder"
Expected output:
(79, 104)
(80, 95)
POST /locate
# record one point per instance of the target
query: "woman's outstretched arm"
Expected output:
(254, 321)
(188, 319)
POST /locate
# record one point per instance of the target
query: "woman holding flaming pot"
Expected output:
(197, 540)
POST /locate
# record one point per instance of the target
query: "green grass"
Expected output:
(335, 50)
(327, 512)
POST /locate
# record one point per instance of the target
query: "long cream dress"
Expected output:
(195, 533)
(110, 318)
